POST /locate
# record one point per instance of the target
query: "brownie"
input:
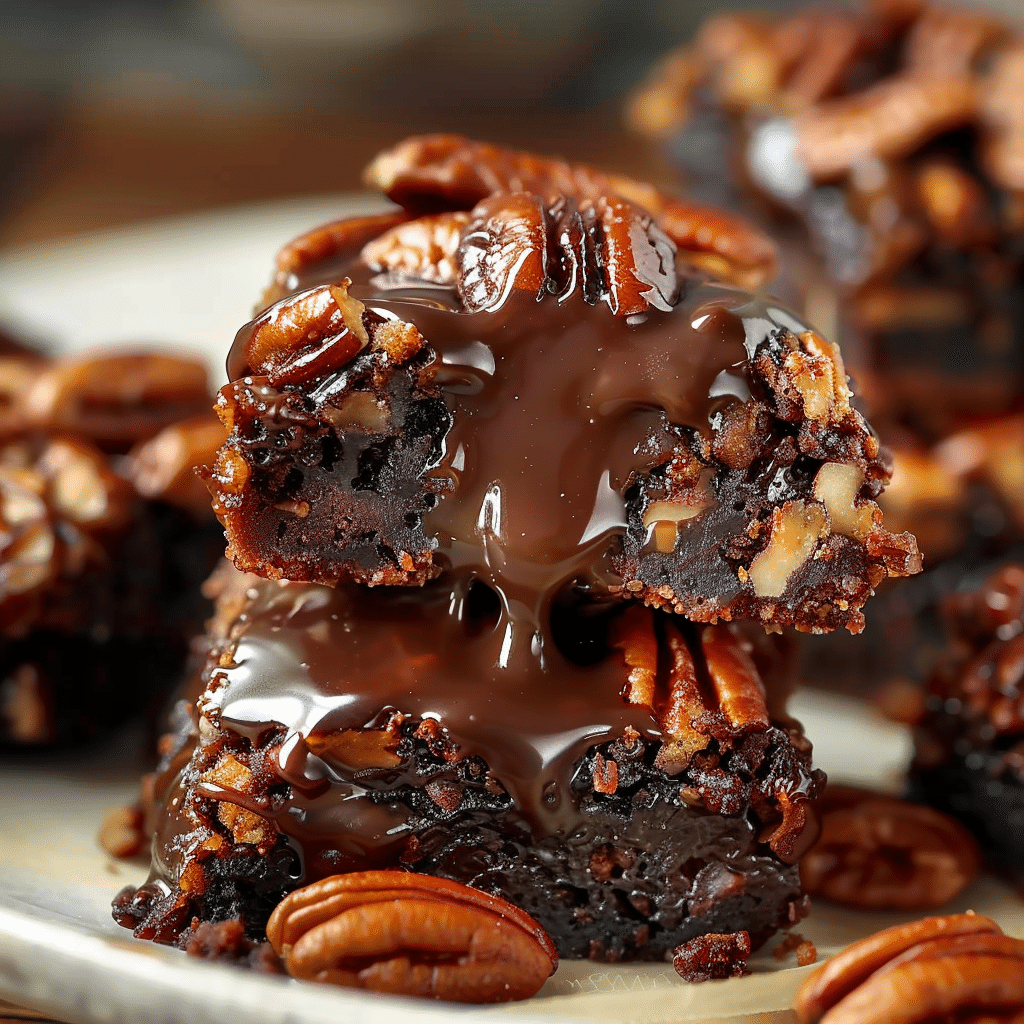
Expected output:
(887, 141)
(342, 729)
(518, 476)
(969, 743)
(657, 436)
(100, 564)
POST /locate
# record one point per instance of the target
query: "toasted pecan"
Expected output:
(409, 934)
(428, 173)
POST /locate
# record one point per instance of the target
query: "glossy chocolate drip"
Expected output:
(320, 661)
(553, 400)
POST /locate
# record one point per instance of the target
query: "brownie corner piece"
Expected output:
(329, 480)
(771, 515)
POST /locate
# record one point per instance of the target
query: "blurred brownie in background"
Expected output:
(103, 541)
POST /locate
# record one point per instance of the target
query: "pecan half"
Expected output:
(428, 173)
(334, 238)
(165, 468)
(880, 853)
(319, 330)
(606, 249)
(888, 120)
(424, 247)
(408, 934)
(938, 968)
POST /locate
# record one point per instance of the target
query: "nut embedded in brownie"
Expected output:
(969, 745)
(349, 730)
(654, 436)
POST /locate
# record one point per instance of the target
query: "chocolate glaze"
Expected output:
(319, 660)
(555, 400)
(305, 663)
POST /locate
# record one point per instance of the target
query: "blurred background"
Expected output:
(117, 110)
(113, 111)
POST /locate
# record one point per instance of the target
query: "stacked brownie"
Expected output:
(517, 492)
(101, 556)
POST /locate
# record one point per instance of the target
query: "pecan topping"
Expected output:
(423, 248)
(339, 236)
(888, 120)
(449, 172)
(880, 853)
(958, 967)
(165, 467)
(408, 934)
(318, 331)
(605, 248)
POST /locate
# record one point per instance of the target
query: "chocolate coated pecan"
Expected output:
(606, 249)
(408, 934)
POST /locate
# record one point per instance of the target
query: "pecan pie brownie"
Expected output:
(346, 730)
(546, 360)
(969, 743)
(100, 558)
(888, 138)
(515, 489)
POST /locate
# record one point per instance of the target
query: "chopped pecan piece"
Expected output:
(713, 957)
(408, 934)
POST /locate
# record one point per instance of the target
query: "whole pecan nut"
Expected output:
(428, 173)
(605, 249)
(409, 934)
(940, 968)
(879, 853)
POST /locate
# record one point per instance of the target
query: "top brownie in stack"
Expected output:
(519, 489)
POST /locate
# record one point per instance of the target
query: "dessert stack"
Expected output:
(522, 488)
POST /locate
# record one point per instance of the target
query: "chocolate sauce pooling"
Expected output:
(321, 660)
(553, 399)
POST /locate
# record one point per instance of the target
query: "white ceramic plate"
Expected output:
(189, 284)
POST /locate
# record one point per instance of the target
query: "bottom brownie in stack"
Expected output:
(345, 730)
